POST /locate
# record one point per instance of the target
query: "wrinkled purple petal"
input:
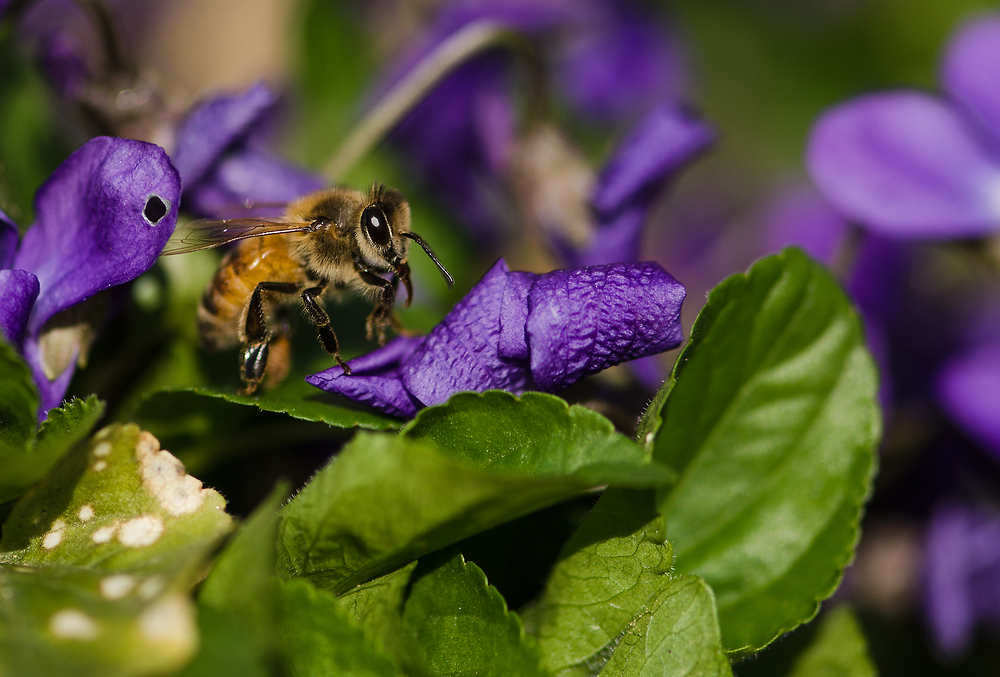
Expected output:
(215, 125)
(374, 378)
(513, 344)
(969, 390)
(583, 320)
(970, 71)
(557, 327)
(906, 164)
(18, 291)
(962, 574)
(8, 241)
(620, 63)
(91, 232)
(662, 143)
(462, 352)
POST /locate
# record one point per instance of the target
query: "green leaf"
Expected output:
(62, 429)
(771, 425)
(223, 649)
(535, 434)
(301, 401)
(838, 650)
(377, 607)
(117, 505)
(65, 622)
(650, 421)
(18, 404)
(616, 564)
(460, 624)
(321, 639)
(242, 581)
(678, 636)
(331, 534)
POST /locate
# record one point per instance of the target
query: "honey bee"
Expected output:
(330, 240)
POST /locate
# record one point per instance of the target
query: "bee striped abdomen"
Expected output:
(223, 307)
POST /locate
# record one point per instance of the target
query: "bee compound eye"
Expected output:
(156, 208)
(376, 226)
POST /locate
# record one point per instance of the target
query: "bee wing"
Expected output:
(207, 233)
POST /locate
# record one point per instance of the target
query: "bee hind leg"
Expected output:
(322, 321)
(255, 355)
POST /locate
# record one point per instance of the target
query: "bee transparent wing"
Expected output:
(207, 233)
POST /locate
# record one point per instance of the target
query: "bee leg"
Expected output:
(381, 317)
(255, 329)
(322, 321)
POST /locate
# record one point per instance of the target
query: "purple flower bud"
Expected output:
(521, 331)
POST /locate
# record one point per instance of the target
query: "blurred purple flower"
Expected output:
(969, 391)
(102, 219)
(222, 157)
(81, 44)
(613, 63)
(661, 145)
(962, 574)
(909, 164)
(521, 331)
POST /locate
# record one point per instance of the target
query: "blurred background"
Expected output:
(759, 72)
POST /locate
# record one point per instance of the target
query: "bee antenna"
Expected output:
(423, 245)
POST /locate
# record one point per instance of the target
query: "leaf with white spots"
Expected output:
(118, 504)
(64, 621)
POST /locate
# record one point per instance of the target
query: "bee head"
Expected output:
(385, 217)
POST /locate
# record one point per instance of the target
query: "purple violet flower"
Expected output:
(910, 164)
(659, 147)
(102, 219)
(221, 155)
(613, 63)
(962, 574)
(521, 331)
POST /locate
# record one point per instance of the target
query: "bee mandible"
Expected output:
(333, 239)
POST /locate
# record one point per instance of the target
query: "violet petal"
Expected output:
(18, 291)
(968, 387)
(8, 241)
(50, 393)
(249, 174)
(970, 71)
(620, 63)
(583, 320)
(385, 393)
(799, 216)
(374, 378)
(906, 164)
(215, 125)
(102, 219)
(949, 606)
(617, 239)
(513, 344)
(461, 353)
(660, 145)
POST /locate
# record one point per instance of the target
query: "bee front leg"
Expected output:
(381, 317)
(255, 330)
(326, 335)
